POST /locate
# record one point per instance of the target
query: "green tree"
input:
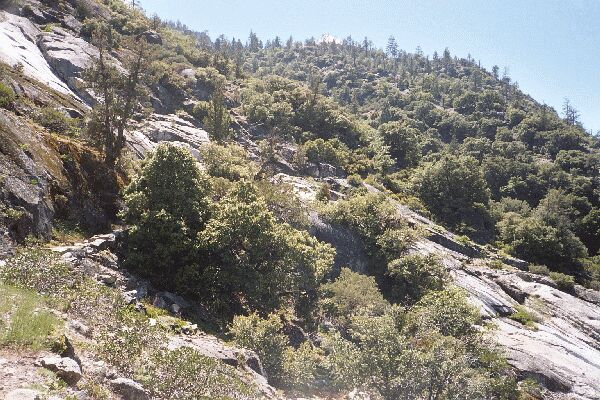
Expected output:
(119, 93)
(413, 276)
(257, 262)
(166, 207)
(403, 143)
(217, 119)
(455, 192)
(351, 294)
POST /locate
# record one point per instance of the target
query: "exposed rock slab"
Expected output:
(18, 46)
(170, 128)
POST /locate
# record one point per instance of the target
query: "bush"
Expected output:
(186, 374)
(7, 96)
(563, 281)
(250, 253)
(56, 121)
(302, 367)
(351, 294)
(385, 233)
(330, 151)
(447, 312)
(265, 338)
(201, 110)
(227, 161)
(413, 276)
(539, 269)
(455, 192)
(524, 317)
(354, 180)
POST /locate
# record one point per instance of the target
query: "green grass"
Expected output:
(24, 320)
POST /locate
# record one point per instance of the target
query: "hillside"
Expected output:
(184, 217)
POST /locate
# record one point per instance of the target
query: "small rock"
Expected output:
(65, 368)
(130, 390)
(23, 394)
(131, 296)
(159, 302)
(175, 308)
(107, 279)
(189, 329)
(152, 321)
(80, 327)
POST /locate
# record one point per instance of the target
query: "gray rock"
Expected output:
(80, 327)
(358, 395)
(23, 394)
(65, 368)
(128, 389)
(18, 45)
(212, 347)
(151, 37)
(108, 279)
(166, 128)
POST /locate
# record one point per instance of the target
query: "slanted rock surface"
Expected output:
(170, 128)
(18, 46)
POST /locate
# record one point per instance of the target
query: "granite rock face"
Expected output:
(18, 46)
(169, 128)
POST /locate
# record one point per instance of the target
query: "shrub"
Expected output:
(524, 317)
(301, 367)
(42, 271)
(7, 96)
(227, 161)
(351, 294)
(354, 180)
(250, 253)
(563, 281)
(201, 110)
(455, 191)
(539, 269)
(385, 234)
(56, 121)
(447, 312)
(186, 374)
(415, 275)
(265, 338)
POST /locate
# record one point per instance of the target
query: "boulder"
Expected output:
(151, 37)
(128, 389)
(166, 128)
(65, 368)
(212, 347)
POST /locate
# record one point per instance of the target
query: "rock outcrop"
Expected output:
(169, 128)
(18, 46)
(68, 56)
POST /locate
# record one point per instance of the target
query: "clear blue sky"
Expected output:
(551, 47)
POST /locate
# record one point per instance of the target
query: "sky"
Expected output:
(550, 47)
